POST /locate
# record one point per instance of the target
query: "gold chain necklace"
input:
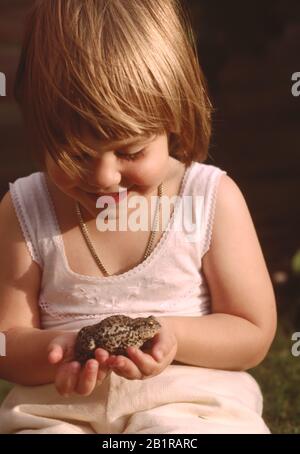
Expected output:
(89, 242)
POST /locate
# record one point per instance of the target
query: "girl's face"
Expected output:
(138, 167)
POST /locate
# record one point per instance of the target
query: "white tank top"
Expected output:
(170, 282)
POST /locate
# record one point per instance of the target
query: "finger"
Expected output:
(72, 378)
(55, 354)
(162, 345)
(87, 378)
(101, 375)
(159, 351)
(157, 354)
(144, 362)
(63, 379)
(125, 368)
(102, 357)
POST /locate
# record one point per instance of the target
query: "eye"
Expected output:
(83, 158)
(128, 157)
(133, 156)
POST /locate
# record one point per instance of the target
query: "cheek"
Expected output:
(145, 175)
(151, 170)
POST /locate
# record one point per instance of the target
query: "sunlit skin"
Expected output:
(142, 176)
(71, 377)
(113, 170)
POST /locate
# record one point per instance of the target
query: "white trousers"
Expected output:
(181, 400)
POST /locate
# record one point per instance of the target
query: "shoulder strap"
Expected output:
(203, 186)
(32, 208)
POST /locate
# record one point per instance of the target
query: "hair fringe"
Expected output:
(91, 66)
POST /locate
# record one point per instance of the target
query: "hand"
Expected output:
(141, 364)
(70, 375)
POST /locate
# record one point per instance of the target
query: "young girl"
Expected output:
(113, 98)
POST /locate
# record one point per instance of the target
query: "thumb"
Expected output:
(56, 350)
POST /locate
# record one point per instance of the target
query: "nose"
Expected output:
(106, 173)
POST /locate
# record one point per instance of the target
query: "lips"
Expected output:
(104, 193)
(116, 196)
(121, 189)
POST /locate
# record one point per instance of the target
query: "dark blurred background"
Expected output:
(249, 51)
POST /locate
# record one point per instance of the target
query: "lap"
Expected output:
(182, 399)
(182, 418)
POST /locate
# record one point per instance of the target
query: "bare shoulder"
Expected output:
(234, 265)
(20, 276)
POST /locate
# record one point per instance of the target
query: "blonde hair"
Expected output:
(120, 68)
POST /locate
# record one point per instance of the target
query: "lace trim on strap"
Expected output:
(211, 211)
(52, 218)
(22, 218)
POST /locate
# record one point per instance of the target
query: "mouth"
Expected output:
(106, 193)
(116, 196)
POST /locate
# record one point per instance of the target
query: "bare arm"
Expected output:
(240, 330)
(218, 341)
(26, 358)
(34, 356)
(26, 361)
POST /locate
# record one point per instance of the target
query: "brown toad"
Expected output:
(114, 334)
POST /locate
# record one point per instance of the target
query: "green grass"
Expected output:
(278, 376)
(4, 388)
